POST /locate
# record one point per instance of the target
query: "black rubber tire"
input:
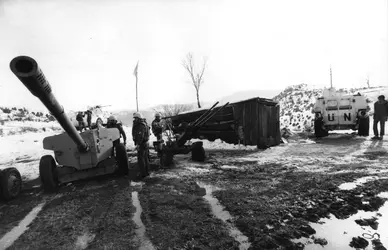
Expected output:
(318, 131)
(122, 159)
(48, 173)
(6, 192)
(166, 159)
(363, 126)
(198, 154)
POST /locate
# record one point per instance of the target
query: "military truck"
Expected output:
(336, 110)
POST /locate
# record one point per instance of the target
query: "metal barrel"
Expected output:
(27, 70)
(187, 135)
(213, 114)
(204, 115)
(210, 114)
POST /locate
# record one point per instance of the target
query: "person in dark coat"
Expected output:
(140, 135)
(157, 127)
(380, 116)
(89, 118)
(81, 123)
(112, 123)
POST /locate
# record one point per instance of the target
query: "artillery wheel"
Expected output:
(10, 183)
(166, 159)
(122, 159)
(48, 173)
(198, 153)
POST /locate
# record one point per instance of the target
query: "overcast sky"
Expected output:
(88, 49)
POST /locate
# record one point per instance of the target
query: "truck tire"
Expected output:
(48, 173)
(318, 131)
(10, 183)
(363, 126)
(122, 159)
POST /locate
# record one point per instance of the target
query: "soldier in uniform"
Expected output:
(89, 118)
(81, 123)
(157, 127)
(380, 116)
(140, 135)
(112, 123)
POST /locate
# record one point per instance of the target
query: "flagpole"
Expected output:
(135, 73)
(137, 103)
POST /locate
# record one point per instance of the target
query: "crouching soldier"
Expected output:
(140, 135)
(157, 127)
(112, 123)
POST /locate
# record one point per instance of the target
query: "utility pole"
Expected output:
(331, 78)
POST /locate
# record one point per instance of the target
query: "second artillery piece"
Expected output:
(76, 155)
(177, 143)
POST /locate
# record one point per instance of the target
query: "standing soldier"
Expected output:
(380, 116)
(157, 127)
(140, 135)
(112, 123)
(81, 123)
(89, 118)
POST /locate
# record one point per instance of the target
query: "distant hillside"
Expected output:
(296, 103)
(23, 114)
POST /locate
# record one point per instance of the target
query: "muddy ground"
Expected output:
(270, 199)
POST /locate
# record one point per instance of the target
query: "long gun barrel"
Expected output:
(27, 70)
(204, 115)
(191, 130)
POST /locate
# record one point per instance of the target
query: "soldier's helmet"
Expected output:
(157, 115)
(137, 115)
(112, 119)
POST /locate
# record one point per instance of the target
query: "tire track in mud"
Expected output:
(142, 239)
(10, 237)
(97, 209)
(224, 215)
(115, 228)
(177, 217)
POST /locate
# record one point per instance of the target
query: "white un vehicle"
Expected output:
(337, 111)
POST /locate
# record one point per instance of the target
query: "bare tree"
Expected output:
(196, 76)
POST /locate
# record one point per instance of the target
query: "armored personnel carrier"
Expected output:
(336, 110)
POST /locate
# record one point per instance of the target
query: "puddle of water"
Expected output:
(9, 238)
(228, 167)
(199, 170)
(358, 182)
(339, 233)
(220, 213)
(84, 240)
(145, 243)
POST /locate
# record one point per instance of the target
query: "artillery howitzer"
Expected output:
(176, 144)
(77, 155)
